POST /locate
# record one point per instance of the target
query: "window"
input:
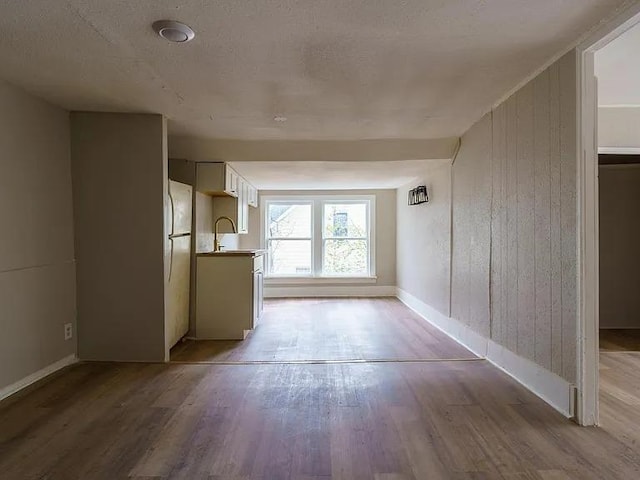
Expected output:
(345, 249)
(319, 236)
(289, 241)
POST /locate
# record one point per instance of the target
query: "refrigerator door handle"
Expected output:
(173, 212)
(170, 259)
(178, 235)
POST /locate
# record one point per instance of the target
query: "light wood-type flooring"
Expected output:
(379, 420)
(620, 384)
(329, 329)
(620, 340)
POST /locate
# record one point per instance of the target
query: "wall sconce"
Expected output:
(418, 195)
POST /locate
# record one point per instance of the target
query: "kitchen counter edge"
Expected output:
(233, 253)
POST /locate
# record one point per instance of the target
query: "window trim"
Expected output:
(263, 233)
(317, 234)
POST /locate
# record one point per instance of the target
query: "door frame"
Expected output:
(587, 408)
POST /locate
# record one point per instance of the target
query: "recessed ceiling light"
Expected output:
(280, 118)
(173, 31)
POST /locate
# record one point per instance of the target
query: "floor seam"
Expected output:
(324, 362)
(606, 352)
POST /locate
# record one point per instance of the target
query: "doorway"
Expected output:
(617, 69)
(607, 279)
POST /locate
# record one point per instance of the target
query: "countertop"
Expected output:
(234, 253)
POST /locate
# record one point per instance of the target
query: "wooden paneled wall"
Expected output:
(527, 149)
(471, 229)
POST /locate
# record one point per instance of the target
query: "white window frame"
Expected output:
(317, 235)
(264, 240)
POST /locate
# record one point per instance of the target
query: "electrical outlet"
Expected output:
(68, 331)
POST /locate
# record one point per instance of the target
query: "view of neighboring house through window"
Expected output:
(319, 237)
(345, 239)
(289, 240)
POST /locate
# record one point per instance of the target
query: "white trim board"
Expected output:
(299, 291)
(619, 150)
(587, 246)
(275, 281)
(36, 376)
(551, 388)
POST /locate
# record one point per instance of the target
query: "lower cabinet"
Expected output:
(229, 295)
(258, 295)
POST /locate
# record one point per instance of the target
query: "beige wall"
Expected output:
(513, 262)
(37, 271)
(204, 222)
(619, 246)
(199, 149)
(618, 127)
(119, 184)
(423, 242)
(385, 228)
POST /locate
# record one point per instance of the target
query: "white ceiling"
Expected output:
(617, 67)
(358, 69)
(313, 175)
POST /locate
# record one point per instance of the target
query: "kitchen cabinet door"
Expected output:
(253, 196)
(231, 182)
(243, 206)
(258, 296)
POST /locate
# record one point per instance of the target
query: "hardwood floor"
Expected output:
(620, 384)
(620, 340)
(381, 421)
(330, 329)
(620, 396)
(445, 420)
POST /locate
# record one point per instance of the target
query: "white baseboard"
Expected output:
(297, 291)
(34, 377)
(551, 388)
(456, 330)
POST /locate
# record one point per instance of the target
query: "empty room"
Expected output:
(312, 240)
(617, 71)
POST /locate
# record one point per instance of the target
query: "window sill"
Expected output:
(318, 280)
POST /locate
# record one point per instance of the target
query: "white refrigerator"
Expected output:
(179, 259)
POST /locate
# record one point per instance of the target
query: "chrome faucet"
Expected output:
(216, 243)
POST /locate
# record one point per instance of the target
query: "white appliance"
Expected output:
(179, 259)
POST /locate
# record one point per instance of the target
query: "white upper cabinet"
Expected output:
(217, 179)
(232, 182)
(243, 207)
(233, 193)
(253, 196)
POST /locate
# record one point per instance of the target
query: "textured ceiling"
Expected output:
(356, 69)
(617, 67)
(311, 175)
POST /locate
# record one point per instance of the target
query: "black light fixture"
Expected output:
(418, 195)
